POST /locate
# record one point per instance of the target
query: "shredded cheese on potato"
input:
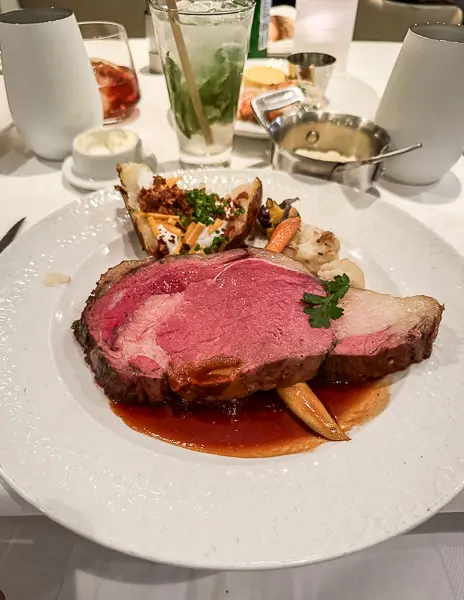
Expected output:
(153, 225)
(192, 239)
(189, 231)
(215, 226)
(178, 247)
(172, 229)
(159, 216)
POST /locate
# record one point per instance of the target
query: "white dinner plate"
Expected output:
(65, 451)
(345, 94)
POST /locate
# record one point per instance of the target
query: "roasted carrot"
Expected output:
(300, 398)
(283, 234)
(304, 403)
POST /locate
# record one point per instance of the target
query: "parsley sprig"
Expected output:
(324, 308)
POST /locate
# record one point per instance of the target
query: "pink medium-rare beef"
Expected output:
(224, 326)
(380, 334)
(208, 328)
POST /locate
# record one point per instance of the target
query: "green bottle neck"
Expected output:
(260, 29)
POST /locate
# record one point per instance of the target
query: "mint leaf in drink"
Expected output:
(214, 78)
(179, 96)
(218, 86)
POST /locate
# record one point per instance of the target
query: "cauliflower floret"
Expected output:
(345, 266)
(313, 247)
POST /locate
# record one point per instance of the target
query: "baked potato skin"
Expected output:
(248, 196)
(144, 232)
(128, 189)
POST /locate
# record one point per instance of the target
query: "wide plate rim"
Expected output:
(210, 563)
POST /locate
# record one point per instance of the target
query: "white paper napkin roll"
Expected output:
(51, 88)
(325, 26)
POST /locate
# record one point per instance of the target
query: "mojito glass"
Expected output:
(216, 35)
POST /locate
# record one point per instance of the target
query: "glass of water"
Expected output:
(215, 34)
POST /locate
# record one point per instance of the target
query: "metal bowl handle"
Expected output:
(274, 101)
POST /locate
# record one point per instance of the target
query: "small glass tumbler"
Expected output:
(203, 46)
(108, 48)
(312, 71)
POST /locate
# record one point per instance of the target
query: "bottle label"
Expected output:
(264, 17)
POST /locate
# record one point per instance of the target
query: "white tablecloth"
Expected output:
(32, 187)
(42, 561)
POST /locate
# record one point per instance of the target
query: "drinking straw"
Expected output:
(188, 72)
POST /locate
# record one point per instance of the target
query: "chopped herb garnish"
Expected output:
(216, 244)
(197, 248)
(239, 211)
(206, 208)
(184, 250)
(184, 221)
(324, 308)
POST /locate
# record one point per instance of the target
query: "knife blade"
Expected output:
(10, 235)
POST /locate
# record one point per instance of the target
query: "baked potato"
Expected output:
(249, 196)
(169, 219)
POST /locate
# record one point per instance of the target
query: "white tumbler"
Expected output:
(51, 88)
(424, 102)
(325, 26)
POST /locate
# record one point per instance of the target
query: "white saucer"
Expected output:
(91, 184)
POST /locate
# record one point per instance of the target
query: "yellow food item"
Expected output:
(54, 279)
(154, 226)
(189, 231)
(172, 229)
(193, 237)
(178, 248)
(263, 77)
(215, 226)
(160, 216)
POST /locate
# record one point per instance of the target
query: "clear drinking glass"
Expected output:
(216, 37)
(108, 48)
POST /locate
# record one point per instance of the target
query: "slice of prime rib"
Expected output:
(225, 326)
(380, 334)
(208, 328)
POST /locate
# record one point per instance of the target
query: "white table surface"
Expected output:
(34, 188)
(41, 561)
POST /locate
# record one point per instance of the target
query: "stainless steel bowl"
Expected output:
(321, 131)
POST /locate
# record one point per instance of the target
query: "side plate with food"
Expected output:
(345, 94)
